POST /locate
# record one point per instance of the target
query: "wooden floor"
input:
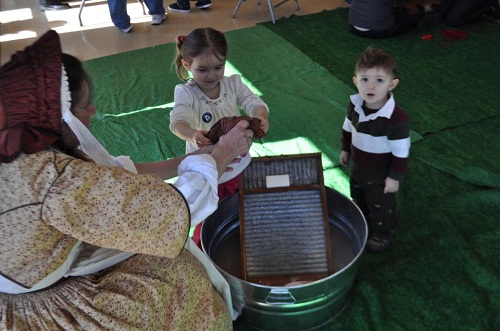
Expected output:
(22, 22)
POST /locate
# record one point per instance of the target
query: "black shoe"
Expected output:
(54, 5)
(176, 8)
(377, 243)
(203, 4)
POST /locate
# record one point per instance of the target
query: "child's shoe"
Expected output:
(176, 8)
(378, 242)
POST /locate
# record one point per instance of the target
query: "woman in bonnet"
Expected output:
(89, 241)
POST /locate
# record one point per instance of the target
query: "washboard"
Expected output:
(284, 220)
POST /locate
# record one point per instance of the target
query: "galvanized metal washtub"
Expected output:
(298, 307)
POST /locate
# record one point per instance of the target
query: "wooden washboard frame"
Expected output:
(284, 230)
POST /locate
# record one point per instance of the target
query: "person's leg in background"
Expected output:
(376, 34)
(494, 9)
(183, 6)
(405, 19)
(445, 6)
(438, 14)
(156, 10)
(119, 16)
(465, 11)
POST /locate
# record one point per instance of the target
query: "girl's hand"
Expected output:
(264, 123)
(262, 114)
(200, 138)
(344, 158)
(391, 185)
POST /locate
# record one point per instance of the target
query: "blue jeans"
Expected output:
(118, 11)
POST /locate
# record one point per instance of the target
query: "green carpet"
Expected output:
(442, 84)
(442, 271)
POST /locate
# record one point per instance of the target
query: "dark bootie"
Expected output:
(378, 242)
(381, 232)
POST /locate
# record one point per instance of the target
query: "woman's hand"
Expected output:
(236, 142)
(207, 149)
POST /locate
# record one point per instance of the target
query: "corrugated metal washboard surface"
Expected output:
(284, 229)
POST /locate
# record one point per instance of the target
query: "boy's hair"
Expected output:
(197, 42)
(374, 57)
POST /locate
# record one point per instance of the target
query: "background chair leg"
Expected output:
(271, 10)
(142, 4)
(80, 12)
(237, 7)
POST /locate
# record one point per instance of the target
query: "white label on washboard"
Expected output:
(277, 181)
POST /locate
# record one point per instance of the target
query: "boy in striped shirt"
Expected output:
(376, 144)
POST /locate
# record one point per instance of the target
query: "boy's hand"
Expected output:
(391, 185)
(344, 158)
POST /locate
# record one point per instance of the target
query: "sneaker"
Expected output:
(176, 8)
(158, 19)
(127, 30)
(53, 5)
(203, 4)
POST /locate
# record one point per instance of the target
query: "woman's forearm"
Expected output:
(166, 169)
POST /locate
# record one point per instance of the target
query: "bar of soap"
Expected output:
(277, 181)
